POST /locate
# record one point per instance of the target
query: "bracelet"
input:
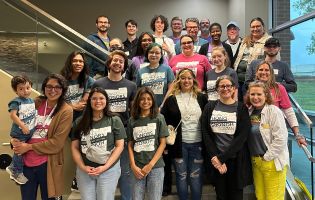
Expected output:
(299, 136)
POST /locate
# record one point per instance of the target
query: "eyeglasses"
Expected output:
(191, 27)
(56, 88)
(146, 40)
(154, 52)
(222, 87)
(188, 42)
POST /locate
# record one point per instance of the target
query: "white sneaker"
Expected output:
(19, 178)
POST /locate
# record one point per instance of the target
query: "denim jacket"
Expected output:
(275, 135)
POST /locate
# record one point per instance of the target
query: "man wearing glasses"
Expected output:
(192, 28)
(100, 38)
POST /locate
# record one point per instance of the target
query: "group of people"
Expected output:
(226, 101)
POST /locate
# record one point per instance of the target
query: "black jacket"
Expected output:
(238, 146)
(172, 117)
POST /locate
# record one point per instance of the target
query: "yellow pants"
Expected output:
(269, 183)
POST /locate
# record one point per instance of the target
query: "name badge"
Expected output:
(265, 126)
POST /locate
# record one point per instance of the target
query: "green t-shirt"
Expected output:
(103, 134)
(145, 133)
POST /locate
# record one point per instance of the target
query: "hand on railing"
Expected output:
(300, 139)
(308, 153)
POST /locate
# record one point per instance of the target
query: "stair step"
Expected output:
(208, 193)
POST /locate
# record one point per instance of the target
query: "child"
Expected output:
(146, 142)
(22, 112)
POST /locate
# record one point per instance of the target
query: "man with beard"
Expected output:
(281, 69)
(130, 44)
(234, 39)
(121, 93)
(192, 28)
(205, 29)
(101, 39)
(131, 71)
(177, 27)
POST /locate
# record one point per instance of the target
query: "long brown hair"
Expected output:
(135, 108)
(271, 83)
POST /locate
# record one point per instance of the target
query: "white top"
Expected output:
(169, 42)
(190, 113)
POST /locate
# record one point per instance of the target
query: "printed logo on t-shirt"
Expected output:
(74, 93)
(211, 91)
(276, 71)
(223, 122)
(98, 138)
(154, 80)
(27, 114)
(144, 137)
(190, 65)
(117, 99)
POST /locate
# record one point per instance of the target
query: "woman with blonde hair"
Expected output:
(182, 109)
(267, 143)
(221, 60)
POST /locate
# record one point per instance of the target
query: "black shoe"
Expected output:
(74, 186)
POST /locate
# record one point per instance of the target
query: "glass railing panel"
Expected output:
(37, 44)
(298, 49)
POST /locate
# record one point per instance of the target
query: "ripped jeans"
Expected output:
(189, 171)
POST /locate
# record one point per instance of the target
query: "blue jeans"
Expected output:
(17, 160)
(98, 187)
(188, 171)
(125, 178)
(152, 184)
(37, 176)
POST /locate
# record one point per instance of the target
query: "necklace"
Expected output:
(185, 113)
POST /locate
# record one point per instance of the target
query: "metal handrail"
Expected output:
(291, 23)
(308, 153)
(31, 11)
(301, 112)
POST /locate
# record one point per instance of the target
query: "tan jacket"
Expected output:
(258, 50)
(58, 131)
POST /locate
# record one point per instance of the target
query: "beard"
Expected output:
(271, 54)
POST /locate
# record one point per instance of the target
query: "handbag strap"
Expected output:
(178, 125)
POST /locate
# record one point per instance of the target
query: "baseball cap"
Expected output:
(232, 23)
(272, 41)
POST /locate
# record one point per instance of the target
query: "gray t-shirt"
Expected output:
(120, 95)
(255, 141)
(103, 134)
(212, 77)
(223, 124)
(145, 132)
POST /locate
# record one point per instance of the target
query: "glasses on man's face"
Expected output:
(146, 40)
(51, 88)
(222, 87)
(188, 42)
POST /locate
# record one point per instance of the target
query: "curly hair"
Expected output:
(177, 88)
(164, 20)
